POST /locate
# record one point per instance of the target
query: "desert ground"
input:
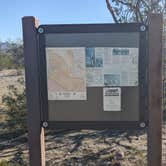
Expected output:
(73, 147)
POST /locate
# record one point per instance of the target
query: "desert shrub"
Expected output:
(4, 163)
(7, 163)
(16, 50)
(11, 55)
(15, 103)
(7, 62)
(18, 158)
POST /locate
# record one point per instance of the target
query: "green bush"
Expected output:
(7, 62)
(15, 103)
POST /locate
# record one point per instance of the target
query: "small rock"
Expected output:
(68, 153)
(119, 155)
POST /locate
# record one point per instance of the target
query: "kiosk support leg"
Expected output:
(155, 91)
(35, 131)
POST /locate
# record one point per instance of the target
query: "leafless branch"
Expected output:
(164, 7)
(139, 12)
(127, 11)
(111, 11)
(146, 4)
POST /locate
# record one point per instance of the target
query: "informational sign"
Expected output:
(112, 99)
(90, 75)
(107, 66)
(66, 76)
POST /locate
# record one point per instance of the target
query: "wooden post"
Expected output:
(155, 91)
(35, 131)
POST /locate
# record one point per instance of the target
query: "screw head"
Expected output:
(142, 125)
(45, 124)
(142, 28)
(40, 30)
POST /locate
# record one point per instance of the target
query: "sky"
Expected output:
(49, 12)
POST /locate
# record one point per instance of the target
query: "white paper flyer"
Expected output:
(112, 99)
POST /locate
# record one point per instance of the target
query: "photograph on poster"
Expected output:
(112, 79)
(94, 66)
(90, 57)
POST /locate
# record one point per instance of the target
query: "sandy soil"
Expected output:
(77, 147)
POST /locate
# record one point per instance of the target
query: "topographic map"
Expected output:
(66, 77)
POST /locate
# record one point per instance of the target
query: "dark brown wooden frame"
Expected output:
(143, 71)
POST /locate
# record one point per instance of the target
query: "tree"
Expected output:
(123, 11)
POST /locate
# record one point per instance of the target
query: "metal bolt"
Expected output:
(40, 30)
(45, 124)
(142, 28)
(142, 125)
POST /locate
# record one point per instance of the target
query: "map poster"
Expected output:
(66, 73)
(112, 99)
